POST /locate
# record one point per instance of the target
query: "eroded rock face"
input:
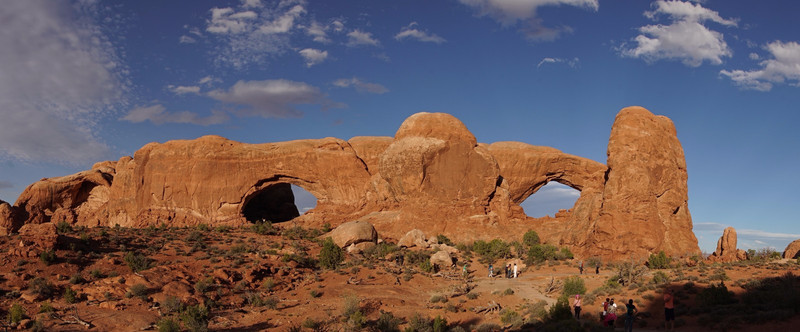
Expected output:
(432, 176)
(645, 196)
(7, 221)
(726, 247)
(792, 250)
(42, 236)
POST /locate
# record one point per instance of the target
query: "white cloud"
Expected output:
(252, 3)
(511, 12)
(186, 40)
(782, 67)
(313, 56)
(574, 62)
(358, 38)
(318, 32)
(272, 98)
(754, 56)
(410, 31)
(180, 89)
(60, 77)
(208, 80)
(685, 39)
(6, 184)
(252, 33)
(157, 114)
(360, 85)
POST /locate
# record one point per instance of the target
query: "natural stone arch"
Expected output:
(272, 199)
(531, 198)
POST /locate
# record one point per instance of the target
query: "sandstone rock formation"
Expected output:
(792, 250)
(432, 175)
(414, 238)
(726, 248)
(35, 238)
(7, 221)
(441, 259)
(353, 232)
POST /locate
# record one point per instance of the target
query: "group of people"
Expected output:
(609, 314)
(509, 271)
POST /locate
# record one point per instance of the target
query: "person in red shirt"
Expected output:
(669, 309)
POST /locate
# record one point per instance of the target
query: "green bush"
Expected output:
(659, 261)
(16, 313)
(63, 227)
(442, 239)
(172, 304)
(572, 286)
(263, 227)
(659, 277)
(46, 308)
(530, 239)
(42, 288)
(419, 323)
(511, 317)
(564, 254)
(560, 310)
(540, 253)
(331, 254)
(715, 295)
(137, 262)
(48, 257)
(168, 325)
(492, 250)
(388, 323)
(439, 324)
(195, 318)
(70, 296)
(140, 291)
(351, 304)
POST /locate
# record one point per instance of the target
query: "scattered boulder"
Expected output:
(726, 247)
(414, 238)
(41, 236)
(441, 259)
(792, 250)
(357, 248)
(353, 232)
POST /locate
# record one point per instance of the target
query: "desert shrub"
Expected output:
(659, 277)
(263, 227)
(168, 325)
(472, 296)
(314, 293)
(511, 317)
(48, 257)
(46, 307)
(715, 295)
(171, 304)
(331, 254)
(16, 313)
(268, 284)
(439, 324)
(630, 272)
(195, 318)
(536, 311)
(658, 261)
(63, 227)
(70, 296)
(41, 287)
(419, 323)
(223, 229)
(540, 253)
(560, 310)
(140, 291)
(426, 266)
(564, 254)
(38, 326)
(438, 298)
(508, 291)
(417, 257)
(572, 286)
(442, 239)
(76, 279)
(204, 285)
(351, 304)
(299, 233)
(530, 239)
(311, 324)
(239, 249)
(380, 250)
(719, 275)
(387, 323)
(594, 261)
(492, 250)
(488, 327)
(137, 262)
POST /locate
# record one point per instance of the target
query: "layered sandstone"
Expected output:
(7, 221)
(432, 175)
(726, 248)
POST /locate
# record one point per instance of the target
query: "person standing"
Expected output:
(577, 306)
(580, 267)
(630, 315)
(491, 270)
(611, 314)
(597, 269)
(506, 269)
(669, 309)
(605, 310)
(515, 270)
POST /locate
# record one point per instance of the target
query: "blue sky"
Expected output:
(86, 81)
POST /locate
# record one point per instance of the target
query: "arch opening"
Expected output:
(278, 203)
(550, 199)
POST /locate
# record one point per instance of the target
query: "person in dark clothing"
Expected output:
(630, 315)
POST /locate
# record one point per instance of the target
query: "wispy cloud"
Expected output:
(6, 184)
(685, 39)
(181, 89)
(574, 62)
(361, 38)
(272, 98)
(157, 114)
(60, 76)
(510, 13)
(360, 85)
(313, 56)
(184, 39)
(412, 32)
(783, 66)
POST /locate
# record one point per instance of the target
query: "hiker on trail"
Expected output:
(515, 270)
(580, 267)
(506, 270)
(464, 270)
(611, 314)
(577, 306)
(491, 270)
(630, 315)
(605, 310)
(597, 269)
(669, 309)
